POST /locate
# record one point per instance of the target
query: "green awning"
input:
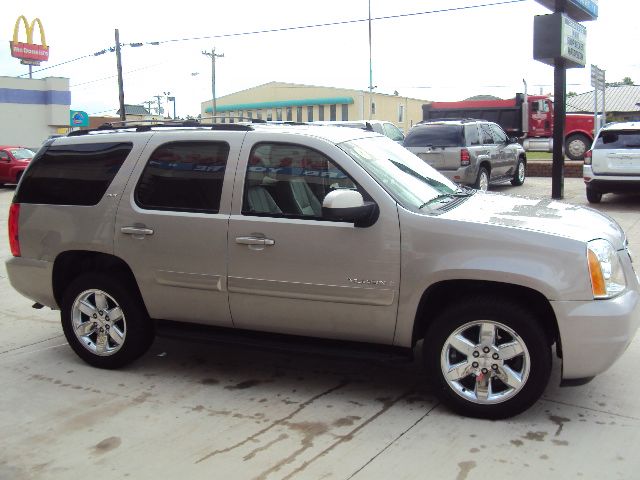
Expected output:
(282, 104)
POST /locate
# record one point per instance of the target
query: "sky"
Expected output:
(448, 50)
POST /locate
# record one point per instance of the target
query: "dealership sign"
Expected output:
(580, 10)
(557, 37)
(29, 52)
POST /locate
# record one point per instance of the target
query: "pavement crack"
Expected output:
(349, 436)
(591, 409)
(30, 344)
(278, 422)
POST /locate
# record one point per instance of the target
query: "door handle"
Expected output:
(262, 241)
(136, 231)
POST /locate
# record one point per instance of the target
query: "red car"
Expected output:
(13, 161)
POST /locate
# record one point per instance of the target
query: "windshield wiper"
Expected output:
(458, 194)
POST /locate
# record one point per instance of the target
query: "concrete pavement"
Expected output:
(200, 411)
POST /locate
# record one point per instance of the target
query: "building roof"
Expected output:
(625, 98)
(134, 110)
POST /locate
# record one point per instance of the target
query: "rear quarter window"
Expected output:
(435, 136)
(72, 174)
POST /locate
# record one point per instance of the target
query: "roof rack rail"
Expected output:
(148, 125)
(451, 119)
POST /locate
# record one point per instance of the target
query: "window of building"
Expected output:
(279, 114)
(249, 114)
(72, 175)
(332, 113)
(259, 114)
(373, 108)
(269, 115)
(184, 176)
(287, 180)
(400, 113)
(345, 112)
(321, 112)
(299, 114)
(310, 113)
(289, 114)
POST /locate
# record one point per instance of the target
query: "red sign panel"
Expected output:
(29, 51)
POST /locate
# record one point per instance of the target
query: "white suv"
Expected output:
(613, 163)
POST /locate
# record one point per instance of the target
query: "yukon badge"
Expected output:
(366, 281)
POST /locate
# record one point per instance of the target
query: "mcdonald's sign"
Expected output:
(30, 53)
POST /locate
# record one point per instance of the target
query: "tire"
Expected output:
(593, 196)
(520, 173)
(482, 182)
(480, 384)
(576, 145)
(94, 340)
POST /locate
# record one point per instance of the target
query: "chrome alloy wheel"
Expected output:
(98, 322)
(521, 172)
(483, 182)
(485, 362)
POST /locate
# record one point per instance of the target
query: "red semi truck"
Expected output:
(528, 117)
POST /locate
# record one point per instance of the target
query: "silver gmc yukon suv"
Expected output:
(325, 232)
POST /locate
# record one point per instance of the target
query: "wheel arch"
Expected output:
(438, 296)
(68, 265)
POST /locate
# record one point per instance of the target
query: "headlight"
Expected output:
(607, 277)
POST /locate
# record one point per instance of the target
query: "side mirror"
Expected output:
(511, 140)
(349, 206)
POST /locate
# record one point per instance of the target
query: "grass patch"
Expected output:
(539, 156)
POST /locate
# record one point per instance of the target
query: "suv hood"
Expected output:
(540, 215)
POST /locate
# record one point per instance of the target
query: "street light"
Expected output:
(166, 94)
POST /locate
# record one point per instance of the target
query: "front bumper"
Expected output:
(594, 334)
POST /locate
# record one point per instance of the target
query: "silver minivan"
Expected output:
(319, 234)
(470, 152)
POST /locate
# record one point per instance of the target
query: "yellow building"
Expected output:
(279, 101)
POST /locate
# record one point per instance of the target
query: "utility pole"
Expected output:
(123, 114)
(370, 69)
(148, 104)
(213, 56)
(158, 97)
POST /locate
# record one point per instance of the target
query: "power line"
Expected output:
(287, 29)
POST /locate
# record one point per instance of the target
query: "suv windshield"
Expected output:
(618, 139)
(22, 153)
(435, 135)
(409, 180)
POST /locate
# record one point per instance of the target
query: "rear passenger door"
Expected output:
(171, 225)
(506, 156)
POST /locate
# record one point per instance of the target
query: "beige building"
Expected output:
(279, 101)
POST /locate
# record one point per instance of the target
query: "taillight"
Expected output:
(14, 241)
(465, 158)
(587, 157)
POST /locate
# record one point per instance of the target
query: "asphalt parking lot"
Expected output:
(196, 410)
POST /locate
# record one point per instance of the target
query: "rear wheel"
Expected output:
(104, 322)
(593, 196)
(520, 173)
(482, 182)
(576, 146)
(488, 357)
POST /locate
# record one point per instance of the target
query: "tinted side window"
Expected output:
(184, 176)
(435, 136)
(618, 139)
(72, 174)
(471, 134)
(485, 132)
(498, 134)
(289, 180)
(4, 156)
(393, 132)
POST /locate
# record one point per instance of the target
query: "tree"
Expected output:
(625, 81)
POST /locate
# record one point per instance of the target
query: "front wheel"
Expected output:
(104, 321)
(520, 173)
(488, 357)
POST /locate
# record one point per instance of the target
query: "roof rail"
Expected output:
(148, 125)
(451, 119)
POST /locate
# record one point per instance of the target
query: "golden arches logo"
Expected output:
(29, 52)
(29, 29)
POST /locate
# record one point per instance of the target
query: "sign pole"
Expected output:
(560, 110)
